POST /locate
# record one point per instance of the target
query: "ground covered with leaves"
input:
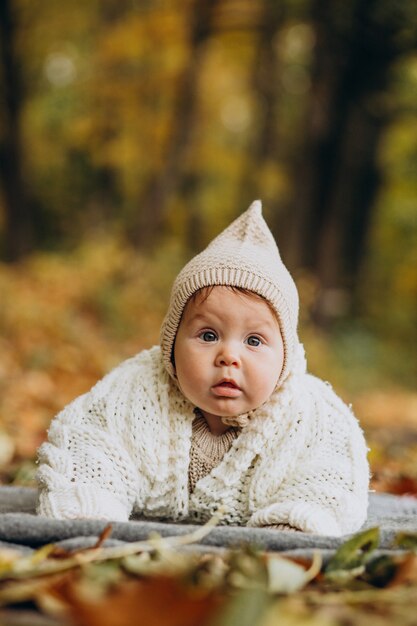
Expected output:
(165, 582)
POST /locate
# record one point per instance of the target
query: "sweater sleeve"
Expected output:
(85, 467)
(326, 492)
(284, 527)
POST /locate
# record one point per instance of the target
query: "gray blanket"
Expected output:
(21, 528)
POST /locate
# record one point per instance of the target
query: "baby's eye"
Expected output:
(208, 335)
(253, 341)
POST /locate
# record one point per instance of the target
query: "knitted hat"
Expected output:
(243, 255)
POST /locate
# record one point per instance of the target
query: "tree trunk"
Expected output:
(263, 149)
(17, 234)
(338, 172)
(166, 183)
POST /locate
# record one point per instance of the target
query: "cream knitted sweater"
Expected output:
(125, 446)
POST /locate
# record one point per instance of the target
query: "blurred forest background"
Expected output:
(132, 132)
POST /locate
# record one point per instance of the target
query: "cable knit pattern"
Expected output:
(207, 450)
(285, 527)
(300, 460)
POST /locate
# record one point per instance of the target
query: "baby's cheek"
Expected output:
(270, 375)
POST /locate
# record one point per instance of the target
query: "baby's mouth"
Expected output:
(226, 388)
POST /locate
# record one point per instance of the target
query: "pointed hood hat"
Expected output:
(244, 255)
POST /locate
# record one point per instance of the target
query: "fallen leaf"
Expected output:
(244, 609)
(247, 569)
(151, 602)
(407, 541)
(398, 485)
(7, 559)
(286, 576)
(105, 534)
(18, 591)
(350, 559)
(381, 570)
(406, 572)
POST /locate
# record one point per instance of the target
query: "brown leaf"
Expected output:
(103, 536)
(61, 553)
(151, 602)
(399, 485)
(406, 571)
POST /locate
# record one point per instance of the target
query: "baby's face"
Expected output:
(228, 352)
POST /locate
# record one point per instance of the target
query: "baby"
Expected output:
(222, 413)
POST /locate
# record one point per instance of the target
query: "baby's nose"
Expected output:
(227, 356)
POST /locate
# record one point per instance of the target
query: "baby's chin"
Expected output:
(231, 415)
(232, 412)
(227, 414)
